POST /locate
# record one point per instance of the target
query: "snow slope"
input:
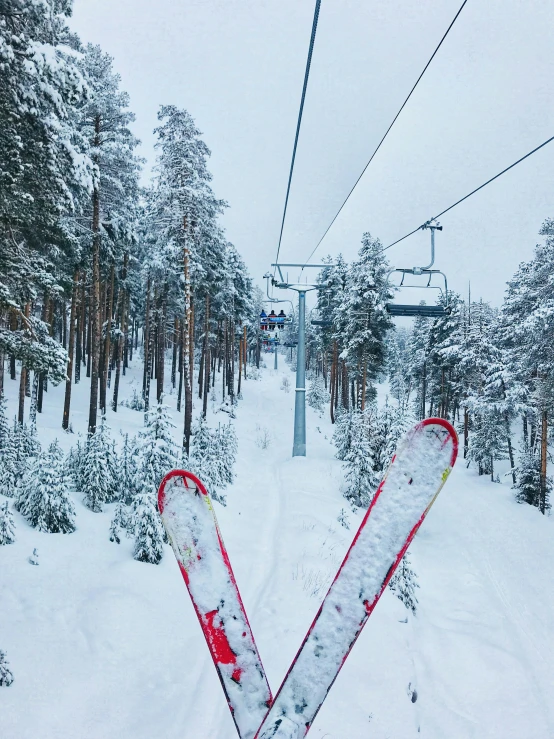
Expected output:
(105, 647)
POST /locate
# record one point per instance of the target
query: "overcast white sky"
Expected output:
(238, 65)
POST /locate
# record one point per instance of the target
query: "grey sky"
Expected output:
(238, 65)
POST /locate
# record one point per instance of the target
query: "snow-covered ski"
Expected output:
(415, 477)
(191, 525)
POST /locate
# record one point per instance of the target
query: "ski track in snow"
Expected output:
(103, 647)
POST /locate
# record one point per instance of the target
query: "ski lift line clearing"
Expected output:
(426, 311)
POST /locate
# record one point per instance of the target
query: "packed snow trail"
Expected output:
(191, 525)
(417, 473)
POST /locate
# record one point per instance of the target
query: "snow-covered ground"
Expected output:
(104, 647)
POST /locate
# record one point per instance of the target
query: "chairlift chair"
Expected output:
(425, 311)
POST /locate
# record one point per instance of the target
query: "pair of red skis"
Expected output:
(416, 474)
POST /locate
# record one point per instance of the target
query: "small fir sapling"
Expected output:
(44, 498)
(110, 460)
(20, 448)
(528, 479)
(360, 478)
(404, 584)
(156, 449)
(317, 396)
(33, 559)
(7, 525)
(149, 532)
(213, 456)
(342, 518)
(9, 467)
(6, 675)
(120, 522)
(4, 425)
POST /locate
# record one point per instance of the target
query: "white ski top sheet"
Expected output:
(416, 475)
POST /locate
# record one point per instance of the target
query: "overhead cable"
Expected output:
(299, 122)
(387, 132)
(461, 200)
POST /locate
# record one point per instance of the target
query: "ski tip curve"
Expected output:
(451, 434)
(187, 476)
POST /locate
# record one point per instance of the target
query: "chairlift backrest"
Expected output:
(427, 311)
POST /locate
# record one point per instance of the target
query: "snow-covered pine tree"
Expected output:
(404, 584)
(121, 521)
(488, 442)
(360, 479)
(128, 469)
(205, 459)
(361, 319)
(344, 429)
(7, 525)
(156, 449)
(226, 449)
(42, 171)
(10, 465)
(391, 424)
(528, 479)
(148, 530)
(6, 675)
(4, 423)
(43, 496)
(317, 396)
(95, 480)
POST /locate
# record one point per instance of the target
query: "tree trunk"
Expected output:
(204, 374)
(122, 334)
(187, 369)
(96, 333)
(13, 327)
(240, 368)
(23, 378)
(544, 455)
(67, 400)
(34, 396)
(107, 340)
(245, 347)
(146, 352)
(174, 357)
(79, 335)
(344, 380)
(160, 374)
(466, 432)
(424, 390)
(181, 361)
(510, 447)
(364, 384)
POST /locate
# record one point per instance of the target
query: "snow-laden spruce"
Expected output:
(98, 469)
(43, 496)
(7, 524)
(213, 455)
(6, 675)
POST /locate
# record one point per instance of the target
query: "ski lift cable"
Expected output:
(387, 131)
(299, 122)
(461, 200)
